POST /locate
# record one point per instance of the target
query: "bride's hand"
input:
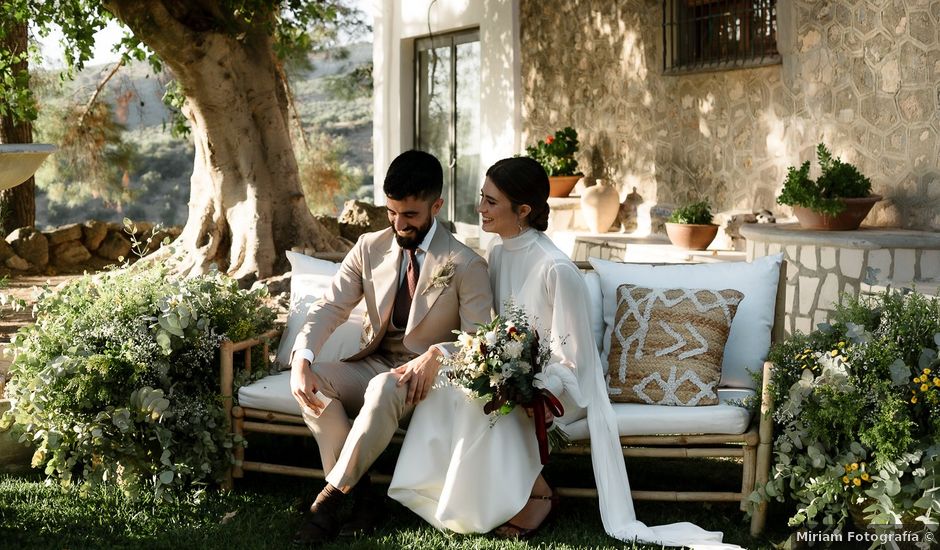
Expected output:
(549, 417)
(419, 374)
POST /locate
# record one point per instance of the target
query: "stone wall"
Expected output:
(862, 76)
(78, 247)
(821, 265)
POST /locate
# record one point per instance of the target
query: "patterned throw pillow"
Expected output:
(667, 344)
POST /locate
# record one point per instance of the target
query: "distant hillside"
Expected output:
(160, 178)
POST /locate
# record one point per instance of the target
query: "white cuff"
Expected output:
(443, 349)
(303, 353)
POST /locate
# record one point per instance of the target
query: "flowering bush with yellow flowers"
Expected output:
(858, 416)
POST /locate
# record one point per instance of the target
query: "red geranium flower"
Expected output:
(549, 139)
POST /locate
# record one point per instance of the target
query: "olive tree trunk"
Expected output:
(246, 206)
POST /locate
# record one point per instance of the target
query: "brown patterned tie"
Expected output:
(406, 291)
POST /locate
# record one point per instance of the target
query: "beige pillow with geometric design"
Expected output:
(667, 344)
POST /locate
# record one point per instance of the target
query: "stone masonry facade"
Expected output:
(863, 76)
(821, 266)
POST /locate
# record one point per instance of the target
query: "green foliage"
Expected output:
(118, 381)
(352, 85)
(92, 160)
(858, 414)
(698, 213)
(838, 180)
(556, 153)
(324, 177)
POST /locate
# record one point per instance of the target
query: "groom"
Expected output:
(419, 284)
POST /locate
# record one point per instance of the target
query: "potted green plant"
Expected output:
(838, 200)
(556, 155)
(857, 414)
(690, 226)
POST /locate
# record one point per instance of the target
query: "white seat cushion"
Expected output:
(271, 393)
(726, 417)
(749, 339)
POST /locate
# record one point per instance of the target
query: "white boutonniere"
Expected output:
(442, 275)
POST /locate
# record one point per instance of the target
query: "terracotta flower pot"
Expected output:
(561, 186)
(691, 236)
(849, 219)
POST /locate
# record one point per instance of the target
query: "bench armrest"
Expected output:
(227, 362)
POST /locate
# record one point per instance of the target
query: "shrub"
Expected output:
(698, 213)
(117, 381)
(556, 153)
(838, 180)
(858, 415)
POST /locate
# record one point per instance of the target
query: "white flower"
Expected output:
(465, 340)
(490, 338)
(495, 379)
(524, 366)
(512, 349)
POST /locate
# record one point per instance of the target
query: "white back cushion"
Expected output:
(749, 339)
(310, 278)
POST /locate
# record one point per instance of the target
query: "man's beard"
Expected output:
(412, 243)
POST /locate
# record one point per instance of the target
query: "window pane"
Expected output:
(467, 132)
(435, 110)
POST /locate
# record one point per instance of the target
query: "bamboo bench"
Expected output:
(752, 447)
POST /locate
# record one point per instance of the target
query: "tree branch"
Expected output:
(94, 96)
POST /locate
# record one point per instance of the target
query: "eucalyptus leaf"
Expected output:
(892, 486)
(163, 340)
(166, 477)
(927, 358)
(900, 373)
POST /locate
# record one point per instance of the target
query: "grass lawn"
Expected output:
(263, 512)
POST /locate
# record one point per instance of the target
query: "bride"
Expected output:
(462, 473)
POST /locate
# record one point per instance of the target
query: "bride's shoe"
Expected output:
(512, 531)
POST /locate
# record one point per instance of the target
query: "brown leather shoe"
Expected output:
(321, 524)
(368, 511)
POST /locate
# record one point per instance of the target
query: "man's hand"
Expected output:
(303, 386)
(419, 374)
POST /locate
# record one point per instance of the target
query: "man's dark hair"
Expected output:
(414, 174)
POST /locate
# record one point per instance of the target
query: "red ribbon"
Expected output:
(542, 400)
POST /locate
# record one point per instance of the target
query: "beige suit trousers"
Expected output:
(367, 391)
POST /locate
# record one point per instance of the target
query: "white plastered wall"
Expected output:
(397, 23)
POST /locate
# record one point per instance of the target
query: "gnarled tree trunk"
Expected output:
(17, 204)
(246, 206)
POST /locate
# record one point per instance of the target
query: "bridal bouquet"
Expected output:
(502, 363)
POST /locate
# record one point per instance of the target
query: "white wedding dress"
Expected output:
(462, 473)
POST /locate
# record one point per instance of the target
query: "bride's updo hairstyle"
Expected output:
(523, 181)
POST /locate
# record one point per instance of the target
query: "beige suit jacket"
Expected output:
(371, 271)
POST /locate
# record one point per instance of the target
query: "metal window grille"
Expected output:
(706, 35)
